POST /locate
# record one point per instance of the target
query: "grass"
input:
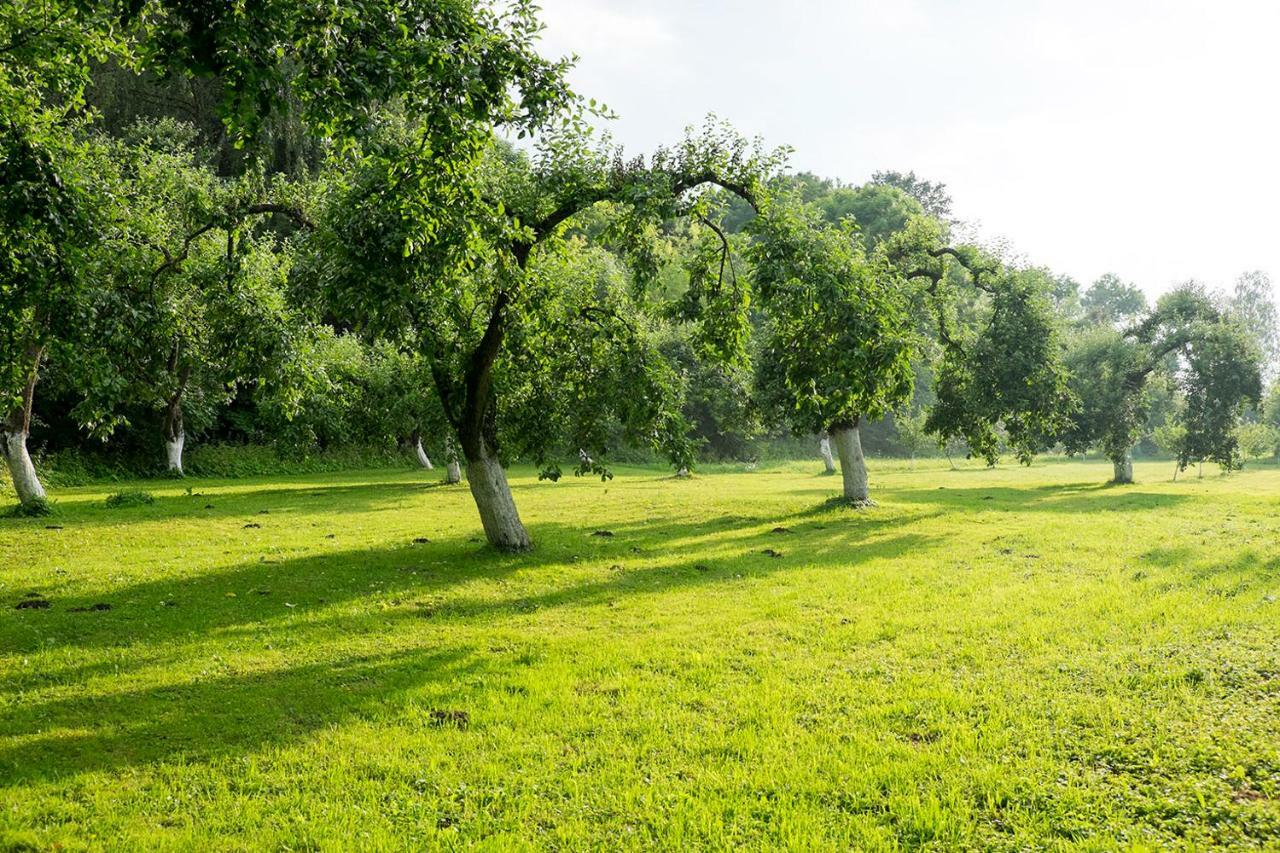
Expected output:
(1009, 659)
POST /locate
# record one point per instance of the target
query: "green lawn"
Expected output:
(1009, 659)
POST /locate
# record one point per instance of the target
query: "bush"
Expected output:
(231, 461)
(1257, 440)
(128, 498)
(37, 508)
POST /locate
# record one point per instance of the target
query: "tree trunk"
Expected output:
(423, 459)
(493, 498)
(452, 470)
(853, 465)
(21, 470)
(824, 448)
(175, 436)
(1123, 468)
(26, 482)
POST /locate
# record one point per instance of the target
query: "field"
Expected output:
(1007, 659)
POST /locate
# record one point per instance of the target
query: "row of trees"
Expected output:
(317, 208)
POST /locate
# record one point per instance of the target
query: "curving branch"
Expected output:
(172, 261)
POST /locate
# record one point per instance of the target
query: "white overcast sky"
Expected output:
(1132, 137)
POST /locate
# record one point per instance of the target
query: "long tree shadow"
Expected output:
(211, 502)
(204, 719)
(1066, 498)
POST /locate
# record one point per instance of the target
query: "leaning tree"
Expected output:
(511, 335)
(1211, 362)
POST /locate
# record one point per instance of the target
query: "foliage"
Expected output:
(932, 196)
(1257, 440)
(1112, 302)
(836, 339)
(34, 508)
(912, 434)
(1003, 379)
(1251, 304)
(128, 498)
(1221, 379)
(1170, 437)
(1210, 363)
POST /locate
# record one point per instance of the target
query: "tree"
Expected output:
(912, 433)
(1257, 440)
(837, 346)
(1212, 364)
(481, 301)
(1251, 305)
(840, 336)
(1221, 378)
(1112, 302)
(1001, 378)
(932, 197)
(55, 206)
(879, 209)
(206, 272)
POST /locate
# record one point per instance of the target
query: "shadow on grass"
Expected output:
(207, 718)
(203, 717)
(219, 501)
(1066, 498)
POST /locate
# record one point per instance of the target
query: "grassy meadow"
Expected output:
(997, 659)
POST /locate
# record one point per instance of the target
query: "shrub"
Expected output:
(129, 497)
(31, 509)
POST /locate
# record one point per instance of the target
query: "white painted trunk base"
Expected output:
(453, 472)
(497, 508)
(824, 449)
(423, 459)
(1123, 469)
(853, 465)
(21, 469)
(173, 452)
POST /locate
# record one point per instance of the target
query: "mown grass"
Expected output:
(1004, 659)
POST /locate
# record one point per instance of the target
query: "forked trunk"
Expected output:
(1122, 468)
(853, 465)
(21, 469)
(423, 459)
(488, 481)
(824, 448)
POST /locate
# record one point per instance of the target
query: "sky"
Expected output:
(1138, 138)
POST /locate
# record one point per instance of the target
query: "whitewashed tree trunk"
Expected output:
(824, 449)
(1122, 468)
(488, 481)
(175, 436)
(452, 470)
(853, 465)
(423, 459)
(21, 469)
(173, 452)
